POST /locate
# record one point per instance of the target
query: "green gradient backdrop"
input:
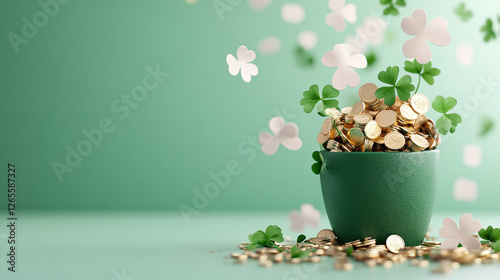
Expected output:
(66, 77)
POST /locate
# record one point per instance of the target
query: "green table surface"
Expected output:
(161, 245)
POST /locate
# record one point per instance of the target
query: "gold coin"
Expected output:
(394, 140)
(367, 93)
(394, 243)
(356, 137)
(386, 118)
(322, 138)
(372, 130)
(327, 125)
(419, 121)
(326, 234)
(346, 110)
(407, 112)
(420, 103)
(397, 104)
(419, 141)
(356, 109)
(362, 118)
(333, 133)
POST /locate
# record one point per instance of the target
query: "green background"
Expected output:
(200, 118)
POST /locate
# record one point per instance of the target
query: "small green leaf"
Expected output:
(316, 156)
(450, 103)
(495, 235)
(483, 235)
(349, 251)
(487, 29)
(316, 168)
(330, 103)
(391, 10)
(258, 237)
(329, 92)
(486, 126)
(303, 57)
(371, 58)
(386, 93)
(413, 67)
(401, 3)
(251, 246)
(404, 87)
(385, 76)
(462, 12)
(496, 246)
(439, 104)
(385, 2)
(443, 124)
(273, 230)
(301, 238)
(428, 78)
(454, 118)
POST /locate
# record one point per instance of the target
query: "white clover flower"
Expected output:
(307, 216)
(341, 13)
(285, 133)
(243, 62)
(341, 57)
(465, 189)
(435, 33)
(454, 235)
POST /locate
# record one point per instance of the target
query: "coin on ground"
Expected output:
(394, 243)
(420, 103)
(326, 234)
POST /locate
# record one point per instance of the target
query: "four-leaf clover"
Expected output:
(403, 86)
(311, 97)
(447, 122)
(454, 235)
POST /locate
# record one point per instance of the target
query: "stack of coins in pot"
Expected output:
(372, 126)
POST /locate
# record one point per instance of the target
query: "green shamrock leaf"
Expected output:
(349, 251)
(391, 7)
(297, 253)
(303, 57)
(273, 233)
(447, 122)
(427, 72)
(311, 98)
(486, 126)
(403, 87)
(371, 58)
(462, 12)
(301, 238)
(266, 239)
(491, 234)
(487, 29)
(496, 246)
(316, 167)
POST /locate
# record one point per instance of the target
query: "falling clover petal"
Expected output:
(341, 13)
(462, 12)
(435, 33)
(285, 133)
(242, 63)
(340, 57)
(308, 215)
(487, 29)
(455, 234)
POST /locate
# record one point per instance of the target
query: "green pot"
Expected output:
(376, 194)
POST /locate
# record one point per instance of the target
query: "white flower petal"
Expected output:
(451, 243)
(343, 77)
(291, 143)
(290, 130)
(472, 155)
(308, 39)
(464, 54)
(248, 70)
(310, 215)
(336, 5)
(436, 32)
(417, 48)
(297, 224)
(449, 229)
(349, 13)
(465, 190)
(336, 20)
(358, 61)
(468, 225)
(234, 65)
(269, 45)
(414, 25)
(266, 137)
(470, 242)
(292, 13)
(276, 124)
(259, 5)
(271, 147)
(244, 55)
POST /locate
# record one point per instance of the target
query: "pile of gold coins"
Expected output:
(326, 245)
(372, 126)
